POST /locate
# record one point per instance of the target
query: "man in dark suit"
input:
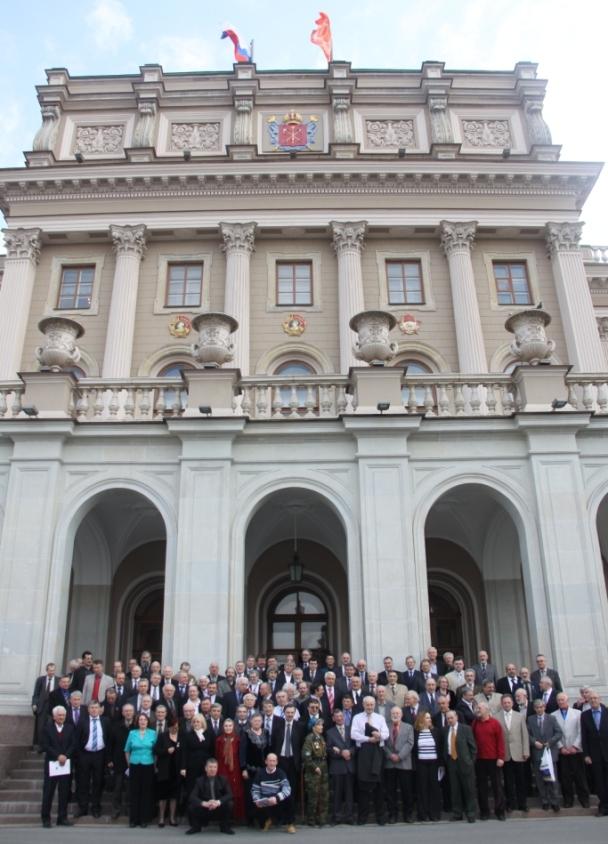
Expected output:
(286, 741)
(61, 695)
(522, 704)
(304, 664)
(484, 670)
(532, 689)
(92, 742)
(57, 743)
(545, 732)
(81, 673)
(548, 695)
(111, 708)
(543, 671)
(76, 712)
(344, 682)
(460, 752)
(388, 666)
(119, 732)
(167, 698)
(510, 683)
(211, 799)
(341, 758)
(231, 700)
(428, 699)
(467, 708)
(411, 677)
(44, 686)
(594, 734)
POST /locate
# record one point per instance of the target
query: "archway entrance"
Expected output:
(476, 592)
(297, 592)
(117, 583)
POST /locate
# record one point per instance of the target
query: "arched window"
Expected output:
(415, 367)
(294, 369)
(173, 401)
(298, 620)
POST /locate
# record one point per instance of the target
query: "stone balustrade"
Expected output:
(98, 400)
(595, 254)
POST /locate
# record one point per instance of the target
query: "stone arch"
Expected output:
(427, 354)
(294, 350)
(249, 499)
(79, 502)
(166, 354)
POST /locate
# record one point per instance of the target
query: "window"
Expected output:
(76, 288)
(404, 281)
(414, 367)
(184, 285)
(294, 283)
(299, 620)
(293, 369)
(512, 287)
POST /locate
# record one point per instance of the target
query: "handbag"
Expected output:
(546, 766)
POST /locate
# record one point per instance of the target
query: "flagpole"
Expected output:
(251, 49)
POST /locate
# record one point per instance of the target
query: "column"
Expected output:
(348, 244)
(22, 254)
(201, 591)
(129, 246)
(567, 565)
(457, 242)
(390, 575)
(583, 342)
(33, 499)
(238, 246)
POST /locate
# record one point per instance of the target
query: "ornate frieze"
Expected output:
(129, 240)
(348, 236)
(99, 140)
(441, 125)
(538, 130)
(198, 137)
(390, 134)
(44, 138)
(456, 236)
(238, 236)
(22, 243)
(563, 237)
(143, 134)
(487, 133)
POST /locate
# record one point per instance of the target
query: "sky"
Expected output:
(117, 36)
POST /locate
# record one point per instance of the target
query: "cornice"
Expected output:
(170, 180)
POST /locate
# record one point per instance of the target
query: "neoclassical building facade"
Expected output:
(299, 493)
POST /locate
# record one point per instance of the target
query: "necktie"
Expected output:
(564, 713)
(119, 690)
(212, 787)
(540, 722)
(330, 697)
(48, 684)
(453, 751)
(348, 684)
(75, 715)
(94, 737)
(597, 714)
(341, 731)
(288, 741)
(395, 734)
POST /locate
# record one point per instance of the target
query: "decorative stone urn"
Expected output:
(373, 345)
(530, 345)
(59, 350)
(214, 346)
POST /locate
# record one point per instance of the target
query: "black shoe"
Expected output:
(144, 825)
(227, 831)
(501, 817)
(161, 824)
(361, 822)
(470, 818)
(392, 819)
(568, 805)
(555, 808)
(524, 809)
(484, 817)
(193, 830)
(584, 804)
(80, 813)
(545, 807)
(132, 825)
(456, 818)
(96, 814)
(173, 823)
(65, 823)
(46, 824)
(115, 814)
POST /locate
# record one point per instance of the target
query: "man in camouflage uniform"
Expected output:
(316, 779)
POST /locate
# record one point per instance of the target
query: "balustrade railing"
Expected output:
(136, 399)
(588, 392)
(11, 394)
(459, 395)
(595, 254)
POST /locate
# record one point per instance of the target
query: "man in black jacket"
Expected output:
(286, 741)
(594, 735)
(210, 800)
(92, 747)
(341, 759)
(119, 732)
(57, 742)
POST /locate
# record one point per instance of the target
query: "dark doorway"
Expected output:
(446, 621)
(148, 624)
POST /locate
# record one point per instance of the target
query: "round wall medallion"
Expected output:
(408, 324)
(294, 325)
(180, 326)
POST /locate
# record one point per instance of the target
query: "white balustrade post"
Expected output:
(457, 241)
(583, 342)
(129, 245)
(348, 244)
(238, 246)
(22, 254)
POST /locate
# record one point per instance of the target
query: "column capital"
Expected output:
(348, 236)
(238, 236)
(129, 240)
(563, 237)
(457, 236)
(22, 243)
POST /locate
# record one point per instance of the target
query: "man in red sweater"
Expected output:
(490, 760)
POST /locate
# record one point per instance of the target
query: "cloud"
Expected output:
(189, 53)
(111, 24)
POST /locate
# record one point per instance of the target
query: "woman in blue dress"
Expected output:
(139, 752)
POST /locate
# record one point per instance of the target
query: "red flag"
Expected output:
(321, 36)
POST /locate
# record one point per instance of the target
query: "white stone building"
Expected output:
(148, 501)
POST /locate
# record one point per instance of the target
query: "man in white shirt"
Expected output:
(369, 731)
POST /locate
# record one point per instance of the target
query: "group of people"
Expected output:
(263, 741)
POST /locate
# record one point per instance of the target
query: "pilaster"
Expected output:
(129, 246)
(585, 351)
(457, 242)
(348, 240)
(22, 255)
(390, 576)
(238, 244)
